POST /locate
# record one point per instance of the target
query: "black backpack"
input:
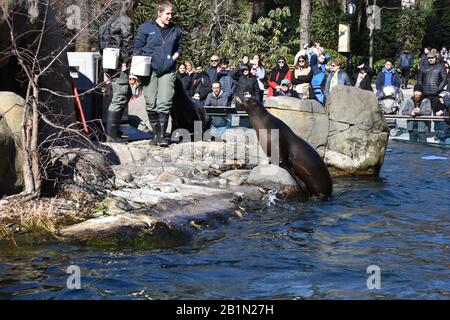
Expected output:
(104, 34)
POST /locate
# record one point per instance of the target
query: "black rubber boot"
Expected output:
(154, 123)
(163, 120)
(113, 126)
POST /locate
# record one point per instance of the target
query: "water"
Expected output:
(399, 222)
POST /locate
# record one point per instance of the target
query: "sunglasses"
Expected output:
(301, 60)
(281, 61)
(214, 60)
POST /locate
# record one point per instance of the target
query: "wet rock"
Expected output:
(273, 177)
(251, 193)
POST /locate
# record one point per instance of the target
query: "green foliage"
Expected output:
(271, 36)
(277, 33)
(325, 24)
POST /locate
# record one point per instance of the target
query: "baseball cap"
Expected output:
(285, 82)
(432, 54)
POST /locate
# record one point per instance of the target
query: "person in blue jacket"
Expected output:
(388, 76)
(159, 38)
(318, 64)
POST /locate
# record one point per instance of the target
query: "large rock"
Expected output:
(11, 181)
(275, 178)
(350, 133)
(11, 116)
(358, 133)
(307, 118)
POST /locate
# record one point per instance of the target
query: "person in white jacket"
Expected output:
(259, 72)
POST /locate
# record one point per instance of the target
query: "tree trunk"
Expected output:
(305, 19)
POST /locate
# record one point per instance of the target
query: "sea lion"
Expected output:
(295, 155)
(185, 111)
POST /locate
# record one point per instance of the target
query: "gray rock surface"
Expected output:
(358, 135)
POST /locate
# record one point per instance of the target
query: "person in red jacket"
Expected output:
(279, 73)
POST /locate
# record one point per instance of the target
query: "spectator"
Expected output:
(286, 90)
(424, 58)
(212, 70)
(303, 52)
(247, 84)
(387, 77)
(405, 64)
(416, 106)
(336, 76)
(302, 78)
(364, 78)
(442, 129)
(447, 71)
(217, 98)
(258, 71)
(433, 78)
(317, 49)
(121, 31)
(279, 73)
(185, 78)
(161, 39)
(319, 68)
(227, 83)
(245, 61)
(444, 54)
(190, 68)
(201, 85)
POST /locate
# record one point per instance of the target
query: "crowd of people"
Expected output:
(313, 76)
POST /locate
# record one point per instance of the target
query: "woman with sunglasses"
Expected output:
(303, 75)
(279, 73)
(336, 77)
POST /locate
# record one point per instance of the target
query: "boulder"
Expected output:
(273, 177)
(10, 170)
(307, 118)
(11, 116)
(358, 134)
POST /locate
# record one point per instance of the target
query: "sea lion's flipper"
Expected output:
(289, 168)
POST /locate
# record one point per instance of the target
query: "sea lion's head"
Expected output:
(247, 104)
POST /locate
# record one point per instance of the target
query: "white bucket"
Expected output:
(140, 65)
(110, 58)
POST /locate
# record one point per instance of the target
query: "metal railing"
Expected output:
(418, 118)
